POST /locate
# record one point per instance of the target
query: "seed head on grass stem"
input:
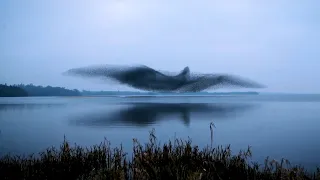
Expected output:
(211, 130)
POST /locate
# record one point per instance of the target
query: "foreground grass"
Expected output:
(176, 159)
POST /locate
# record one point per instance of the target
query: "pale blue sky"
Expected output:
(275, 42)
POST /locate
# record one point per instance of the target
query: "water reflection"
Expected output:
(145, 114)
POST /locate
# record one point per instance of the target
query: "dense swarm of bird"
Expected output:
(145, 78)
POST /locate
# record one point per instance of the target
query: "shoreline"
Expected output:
(141, 96)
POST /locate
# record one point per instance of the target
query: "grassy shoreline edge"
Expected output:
(177, 159)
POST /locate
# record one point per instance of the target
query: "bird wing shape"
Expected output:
(122, 74)
(201, 82)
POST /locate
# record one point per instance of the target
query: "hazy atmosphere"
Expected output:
(236, 72)
(272, 42)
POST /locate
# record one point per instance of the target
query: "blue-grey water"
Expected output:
(279, 126)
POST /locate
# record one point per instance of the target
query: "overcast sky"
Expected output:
(275, 42)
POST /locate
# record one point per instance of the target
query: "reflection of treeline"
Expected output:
(12, 91)
(33, 90)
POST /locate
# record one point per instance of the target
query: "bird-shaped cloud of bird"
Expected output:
(145, 78)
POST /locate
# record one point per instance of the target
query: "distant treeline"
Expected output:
(33, 90)
(110, 93)
(12, 91)
(21, 90)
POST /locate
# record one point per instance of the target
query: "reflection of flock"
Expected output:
(146, 78)
(144, 114)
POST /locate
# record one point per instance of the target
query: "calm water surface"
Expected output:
(278, 126)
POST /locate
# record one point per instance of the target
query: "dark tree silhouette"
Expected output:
(12, 91)
(33, 90)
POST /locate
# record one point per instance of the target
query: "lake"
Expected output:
(279, 126)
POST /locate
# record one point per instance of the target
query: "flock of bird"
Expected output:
(145, 78)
